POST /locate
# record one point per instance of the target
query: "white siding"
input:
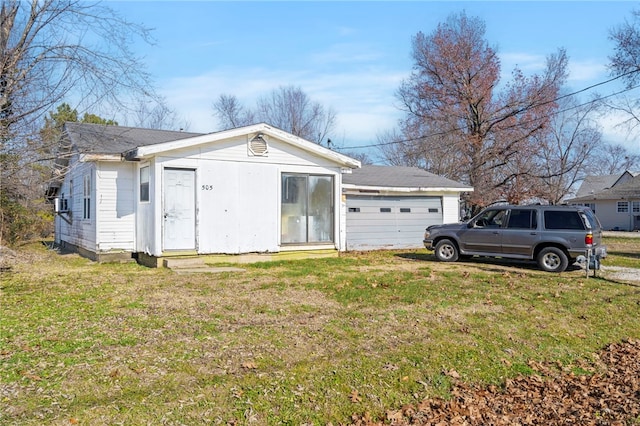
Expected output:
(147, 213)
(237, 150)
(237, 196)
(76, 230)
(115, 215)
(610, 218)
(451, 207)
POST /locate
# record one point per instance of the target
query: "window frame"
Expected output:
(295, 191)
(144, 187)
(86, 197)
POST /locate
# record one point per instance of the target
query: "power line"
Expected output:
(445, 132)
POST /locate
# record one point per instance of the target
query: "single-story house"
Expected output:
(614, 198)
(151, 194)
(390, 207)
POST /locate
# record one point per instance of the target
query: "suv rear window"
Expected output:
(557, 219)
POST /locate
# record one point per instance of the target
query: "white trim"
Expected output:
(352, 187)
(151, 150)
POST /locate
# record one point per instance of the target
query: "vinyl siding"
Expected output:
(115, 206)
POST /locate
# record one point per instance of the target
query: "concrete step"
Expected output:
(188, 265)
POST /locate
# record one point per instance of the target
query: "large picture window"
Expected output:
(307, 209)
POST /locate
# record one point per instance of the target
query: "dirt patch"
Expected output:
(609, 395)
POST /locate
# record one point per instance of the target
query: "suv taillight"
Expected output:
(588, 239)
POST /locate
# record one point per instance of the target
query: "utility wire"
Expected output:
(445, 132)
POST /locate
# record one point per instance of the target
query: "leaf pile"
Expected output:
(551, 396)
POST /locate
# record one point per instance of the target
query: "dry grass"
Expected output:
(292, 342)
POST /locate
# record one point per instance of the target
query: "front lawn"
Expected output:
(296, 342)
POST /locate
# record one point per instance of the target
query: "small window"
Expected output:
(86, 198)
(405, 210)
(635, 206)
(623, 207)
(144, 184)
(354, 209)
(433, 210)
(385, 209)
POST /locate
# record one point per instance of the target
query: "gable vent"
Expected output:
(258, 145)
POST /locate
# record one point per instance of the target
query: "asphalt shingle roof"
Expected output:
(593, 184)
(398, 177)
(626, 190)
(101, 139)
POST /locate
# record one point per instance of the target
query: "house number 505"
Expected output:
(207, 187)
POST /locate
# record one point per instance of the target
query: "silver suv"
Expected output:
(554, 236)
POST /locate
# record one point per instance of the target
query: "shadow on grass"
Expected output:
(484, 261)
(632, 255)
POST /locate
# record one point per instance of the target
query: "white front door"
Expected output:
(179, 209)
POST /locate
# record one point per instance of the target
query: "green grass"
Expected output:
(623, 252)
(307, 341)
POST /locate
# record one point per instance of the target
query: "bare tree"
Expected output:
(53, 50)
(155, 114)
(625, 63)
(453, 90)
(611, 159)
(231, 113)
(288, 108)
(568, 150)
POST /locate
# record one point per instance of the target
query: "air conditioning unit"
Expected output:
(60, 205)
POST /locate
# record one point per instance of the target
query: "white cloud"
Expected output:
(587, 72)
(363, 100)
(613, 131)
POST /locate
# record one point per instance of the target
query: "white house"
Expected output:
(150, 194)
(614, 198)
(157, 193)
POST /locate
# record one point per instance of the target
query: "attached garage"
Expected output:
(391, 222)
(389, 207)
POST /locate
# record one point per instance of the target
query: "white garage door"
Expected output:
(377, 222)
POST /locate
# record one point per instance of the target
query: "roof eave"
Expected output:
(143, 152)
(407, 189)
(83, 158)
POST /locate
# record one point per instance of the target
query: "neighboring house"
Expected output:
(614, 198)
(150, 194)
(390, 207)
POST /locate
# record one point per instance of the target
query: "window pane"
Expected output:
(562, 220)
(307, 209)
(144, 183)
(320, 209)
(521, 219)
(294, 208)
(86, 210)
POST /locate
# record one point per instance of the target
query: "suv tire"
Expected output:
(553, 259)
(446, 251)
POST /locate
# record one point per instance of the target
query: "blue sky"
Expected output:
(352, 56)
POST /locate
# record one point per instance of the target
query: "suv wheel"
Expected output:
(446, 251)
(553, 259)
